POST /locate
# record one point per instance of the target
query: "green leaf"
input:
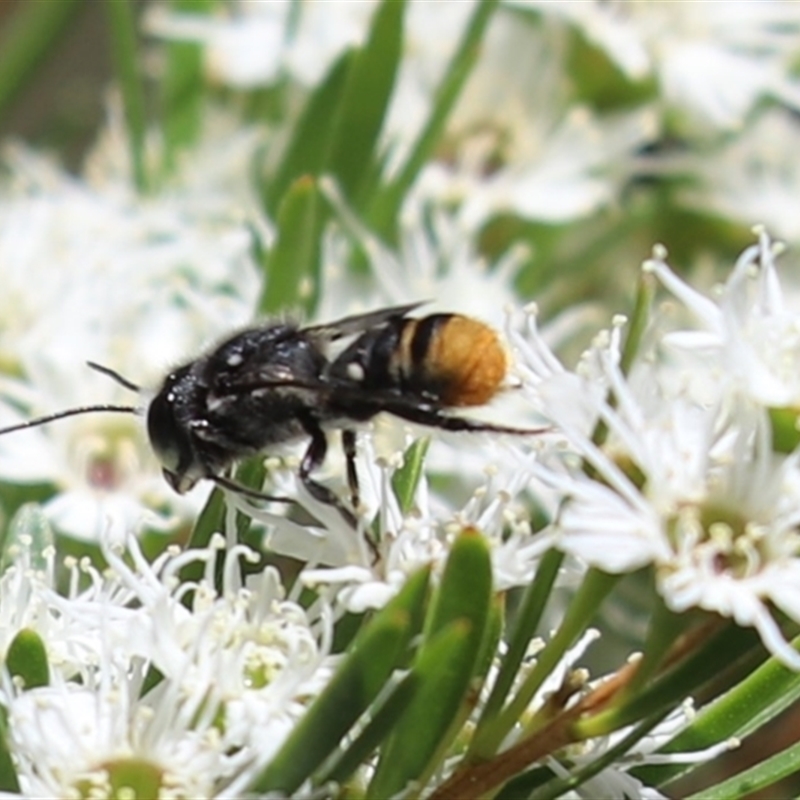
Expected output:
(26, 658)
(443, 671)
(310, 144)
(210, 521)
(445, 664)
(378, 649)
(29, 32)
(366, 98)
(182, 86)
(293, 265)
(746, 783)
(124, 54)
(466, 587)
(406, 479)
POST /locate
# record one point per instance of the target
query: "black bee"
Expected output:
(278, 382)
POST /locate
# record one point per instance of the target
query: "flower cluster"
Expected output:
(185, 687)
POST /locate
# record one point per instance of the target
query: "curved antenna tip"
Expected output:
(114, 375)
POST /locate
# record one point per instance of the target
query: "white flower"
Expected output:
(714, 61)
(252, 42)
(748, 337)
(518, 143)
(404, 542)
(693, 489)
(752, 178)
(238, 669)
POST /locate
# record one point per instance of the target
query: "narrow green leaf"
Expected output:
(8, 775)
(443, 678)
(466, 587)
(492, 634)
(362, 675)
(26, 658)
(293, 264)
(28, 35)
(124, 54)
(210, 521)
(455, 632)
(182, 86)
(525, 626)
(768, 772)
(382, 723)
(366, 98)
(310, 144)
(385, 208)
(640, 320)
(406, 479)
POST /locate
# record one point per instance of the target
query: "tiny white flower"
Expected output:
(404, 542)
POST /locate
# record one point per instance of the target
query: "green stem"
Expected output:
(389, 201)
(528, 617)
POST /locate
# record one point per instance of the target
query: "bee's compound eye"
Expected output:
(169, 441)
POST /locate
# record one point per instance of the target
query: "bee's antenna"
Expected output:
(115, 376)
(70, 412)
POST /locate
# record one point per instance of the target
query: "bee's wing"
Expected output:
(360, 322)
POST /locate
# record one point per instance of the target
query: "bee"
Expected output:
(278, 382)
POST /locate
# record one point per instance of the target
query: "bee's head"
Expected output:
(169, 431)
